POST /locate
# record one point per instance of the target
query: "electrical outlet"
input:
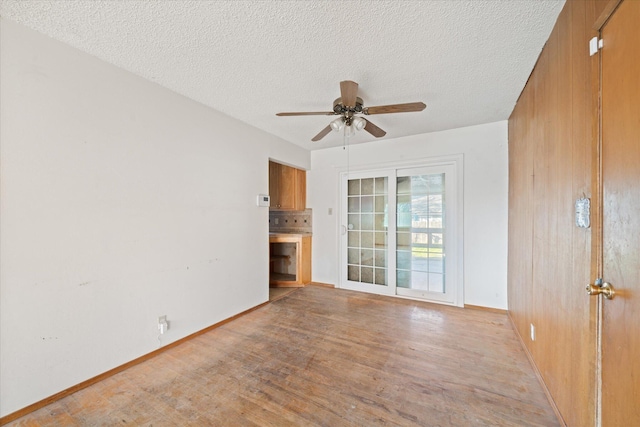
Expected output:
(533, 332)
(163, 324)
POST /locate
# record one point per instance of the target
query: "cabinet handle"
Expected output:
(344, 229)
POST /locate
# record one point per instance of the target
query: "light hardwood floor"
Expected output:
(277, 293)
(326, 357)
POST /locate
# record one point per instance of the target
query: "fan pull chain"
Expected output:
(345, 146)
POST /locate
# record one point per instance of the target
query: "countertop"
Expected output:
(287, 234)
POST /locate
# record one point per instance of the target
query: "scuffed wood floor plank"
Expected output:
(326, 357)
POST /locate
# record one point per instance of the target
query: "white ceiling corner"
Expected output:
(468, 60)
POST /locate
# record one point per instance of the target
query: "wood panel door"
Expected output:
(620, 81)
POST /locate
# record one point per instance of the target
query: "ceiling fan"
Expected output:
(349, 107)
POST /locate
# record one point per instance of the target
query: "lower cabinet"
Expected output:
(290, 260)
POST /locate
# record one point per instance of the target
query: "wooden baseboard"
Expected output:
(64, 393)
(322, 285)
(537, 372)
(489, 309)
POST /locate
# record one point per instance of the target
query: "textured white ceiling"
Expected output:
(467, 60)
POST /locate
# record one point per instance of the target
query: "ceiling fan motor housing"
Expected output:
(339, 108)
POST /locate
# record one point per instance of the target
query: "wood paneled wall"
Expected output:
(552, 132)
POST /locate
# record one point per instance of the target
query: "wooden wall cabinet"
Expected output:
(290, 260)
(287, 187)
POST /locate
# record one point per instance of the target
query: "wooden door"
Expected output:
(621, 216)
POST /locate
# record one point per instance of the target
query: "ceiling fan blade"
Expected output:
(309, 113)
(348, 93)
(396, 108)
(322, 134)
(374, 130)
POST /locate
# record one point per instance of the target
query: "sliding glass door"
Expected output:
(425, 229)
(365, 234)
(399, 232)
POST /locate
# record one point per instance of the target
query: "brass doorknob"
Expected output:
(605, 289)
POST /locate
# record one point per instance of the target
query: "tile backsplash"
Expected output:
(290, 221)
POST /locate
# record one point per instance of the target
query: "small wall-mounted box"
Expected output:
(264, 200)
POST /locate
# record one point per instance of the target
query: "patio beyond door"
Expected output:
(399, 232)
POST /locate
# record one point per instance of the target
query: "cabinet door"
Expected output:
(274, 184)
(287, 187)
(300, 196)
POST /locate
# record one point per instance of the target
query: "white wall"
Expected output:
(120, 201)
(484, 148)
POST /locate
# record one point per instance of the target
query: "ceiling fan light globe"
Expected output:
(337, 125)
(358, 123)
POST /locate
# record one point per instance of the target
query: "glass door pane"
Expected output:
(367, 232)
(420, 228)
(424, 200)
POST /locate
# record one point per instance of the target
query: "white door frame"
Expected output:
(457, 269)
